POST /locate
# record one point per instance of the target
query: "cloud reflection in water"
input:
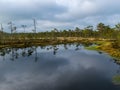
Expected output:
(67, 70)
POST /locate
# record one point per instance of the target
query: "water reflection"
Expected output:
(15, 53)
(58, 67)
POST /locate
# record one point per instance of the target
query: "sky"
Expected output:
(60, 14)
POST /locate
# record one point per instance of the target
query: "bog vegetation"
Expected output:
(107, 38)
(102, 32)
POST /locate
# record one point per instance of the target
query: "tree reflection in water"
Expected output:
(16, 53)
(2, 53)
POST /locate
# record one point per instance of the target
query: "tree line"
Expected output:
(102, 31)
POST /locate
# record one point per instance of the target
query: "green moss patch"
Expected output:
(116, 80)
(92, 48)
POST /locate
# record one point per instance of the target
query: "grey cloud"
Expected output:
(60, 12)
(78, 9)
(29, 11)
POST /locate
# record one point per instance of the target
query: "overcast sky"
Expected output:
(61, 14)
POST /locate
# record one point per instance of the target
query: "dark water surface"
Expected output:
(61, 67)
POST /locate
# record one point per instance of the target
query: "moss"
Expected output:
(107, 46)
(110, 47)
(92, 48)
(116, 79)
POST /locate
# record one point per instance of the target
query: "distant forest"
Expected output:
(102, 31)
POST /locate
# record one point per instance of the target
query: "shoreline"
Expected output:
(105, 45)
(108, 47)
